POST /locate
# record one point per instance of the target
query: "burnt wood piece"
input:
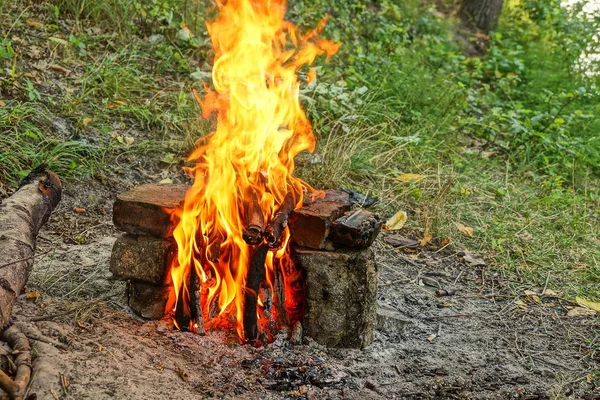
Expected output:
(149, 209)
(254, 222)
(195, 305)
(16, 389)
(142, 258)
(282, 317)
(149, 301)
(356, 228)
(280, 220)
(340, 296)
(214, 251)
(310, 225)
(21, 217)
(256, 272)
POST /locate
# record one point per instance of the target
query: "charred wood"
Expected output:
(254, 223)
(280, 219)
(195, 305)
(256, 272)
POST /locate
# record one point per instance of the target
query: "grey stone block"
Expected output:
(341, 296)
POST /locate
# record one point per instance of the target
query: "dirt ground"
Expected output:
(489, 340)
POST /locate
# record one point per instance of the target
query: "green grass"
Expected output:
(508, 142)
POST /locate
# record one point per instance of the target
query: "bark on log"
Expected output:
(21, 216)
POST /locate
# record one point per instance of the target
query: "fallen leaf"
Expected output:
(426, 239)
(116, 104)
(550, 293)
(580, 312)
(431, 337)
(2, 104)
(33, 295)
(472, 260)
(592, 305)
(402, 242)
(465, 230)
(129, 140)
(532, 296)
(58, 68)
(166, 181)
(396, 222)
(521, 304)
(410, 178)
(85, 122)
(35, 24)
(79, 210)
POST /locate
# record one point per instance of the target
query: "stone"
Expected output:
(310, 225)
(356, 228)
(149, 301)
(142, 258)
(149, 209)
(390, 321)
(341, 296)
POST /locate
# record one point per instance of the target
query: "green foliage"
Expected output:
(26, 143)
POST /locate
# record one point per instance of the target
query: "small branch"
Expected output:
(18, 341)
(25, 259)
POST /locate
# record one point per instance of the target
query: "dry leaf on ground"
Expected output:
(592, 305)
(580, 312)
(466, 230)
(410, 178)
(426, 239)
(396, 222)
(473, 260)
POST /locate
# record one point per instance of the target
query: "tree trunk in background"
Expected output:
(481, 14)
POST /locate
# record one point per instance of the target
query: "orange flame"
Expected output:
(249, 158)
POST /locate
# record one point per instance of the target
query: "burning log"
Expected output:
(280, 220)
(196, 309)
(255, 275)
(21, 217)
(252, 232)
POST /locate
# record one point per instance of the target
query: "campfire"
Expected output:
(232, 232)
(230, 262)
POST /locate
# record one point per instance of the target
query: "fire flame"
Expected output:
(244, 169)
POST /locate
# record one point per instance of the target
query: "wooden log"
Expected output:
(149, 209)
(197, 323)
(21, 217)
(280, 220)
(254, 223)
(18, 341)
(255, 275)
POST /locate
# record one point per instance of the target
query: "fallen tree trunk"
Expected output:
(21, 217)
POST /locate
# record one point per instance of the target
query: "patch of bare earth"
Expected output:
(485, 340)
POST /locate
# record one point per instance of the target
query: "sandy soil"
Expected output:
(490, 340)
